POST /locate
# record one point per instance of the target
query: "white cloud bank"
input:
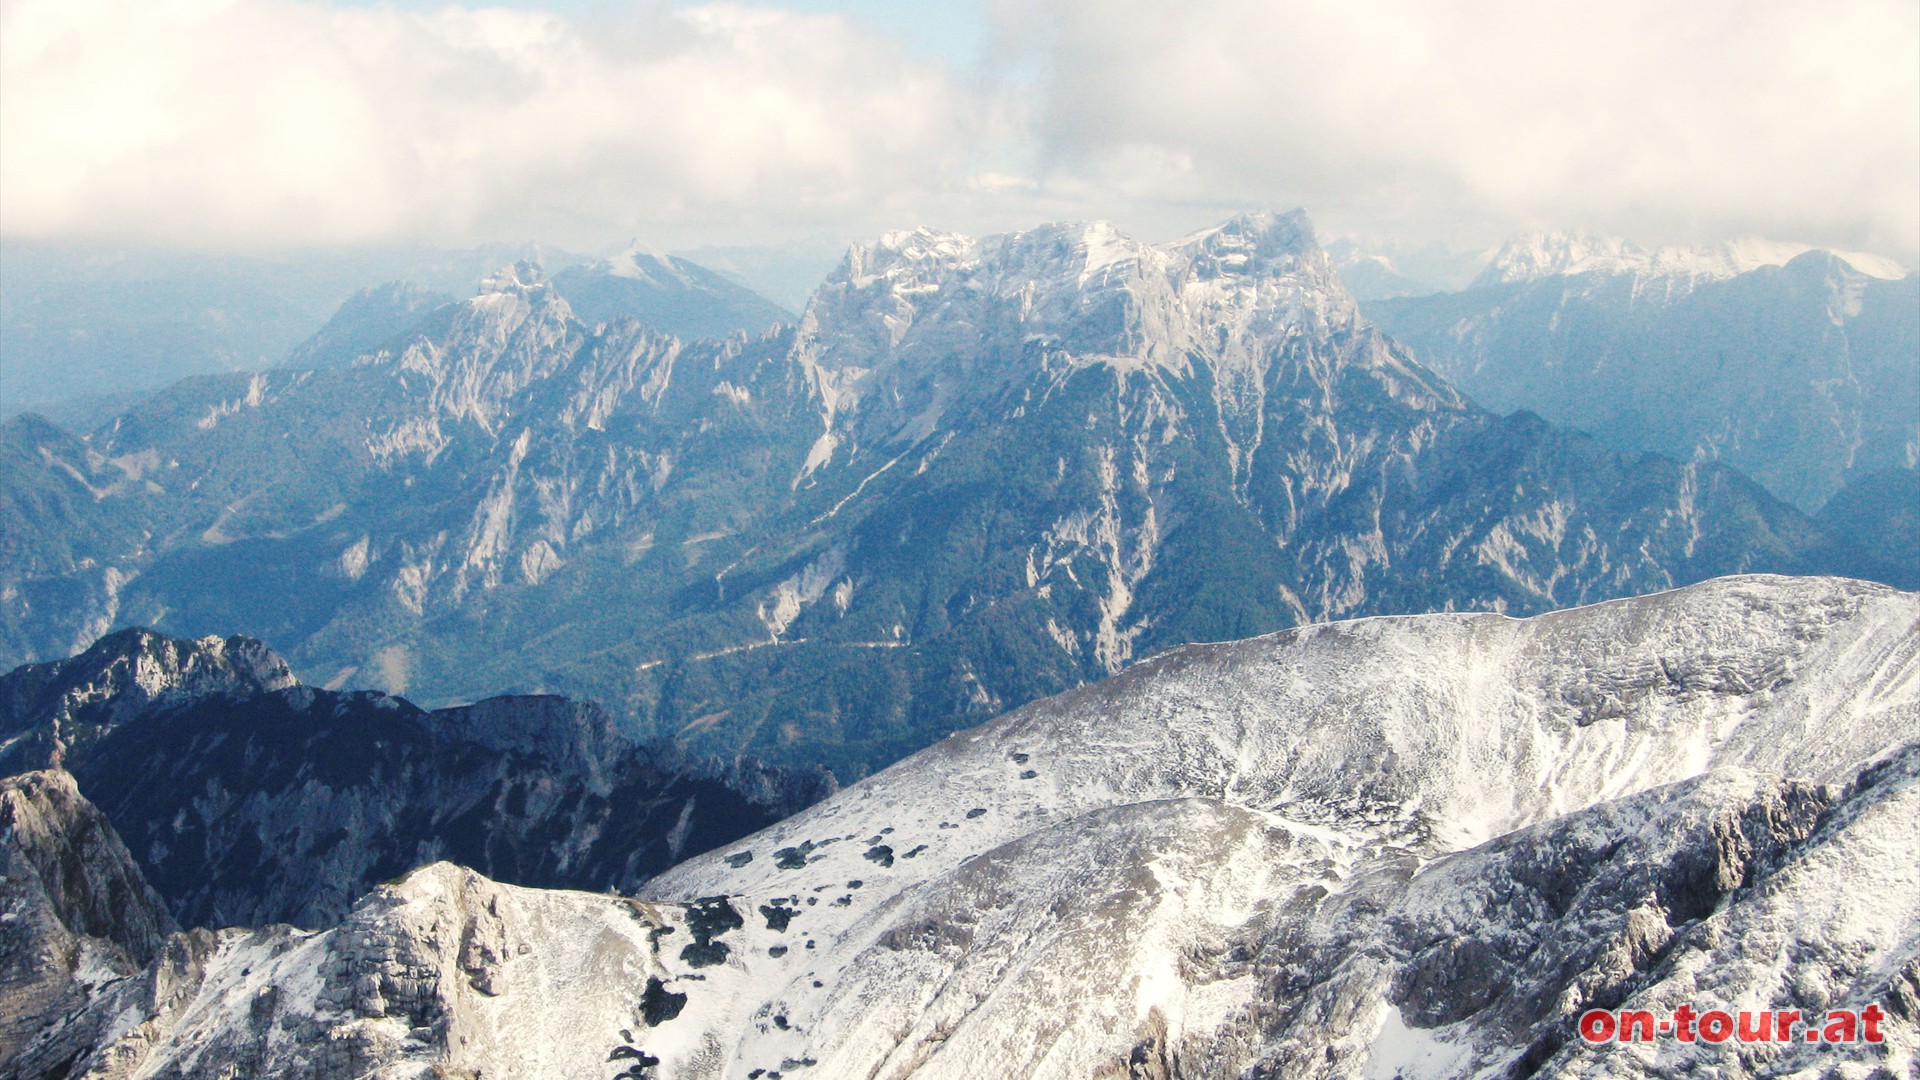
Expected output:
(261, 123)
(271, 121)
(1709, 118)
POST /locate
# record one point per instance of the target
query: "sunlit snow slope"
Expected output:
(1413, 846)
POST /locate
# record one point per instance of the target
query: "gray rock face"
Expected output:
(444, 971)
(1405, 846)
(75, 913)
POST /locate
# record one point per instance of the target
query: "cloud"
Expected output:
(264, 123)
(1708, 119)
(251, 122)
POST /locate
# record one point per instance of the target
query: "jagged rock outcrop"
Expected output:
(1403, 846)
(52, 714)
(815, 544)
(75, 913)
(444, 970)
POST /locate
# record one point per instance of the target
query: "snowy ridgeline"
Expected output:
(1532, 255)
(1413, 846)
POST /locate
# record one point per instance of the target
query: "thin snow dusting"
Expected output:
(1302, 855)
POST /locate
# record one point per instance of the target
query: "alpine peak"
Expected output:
(523, 277)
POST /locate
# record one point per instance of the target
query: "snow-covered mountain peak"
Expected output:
(919, 242)
(640, 262)
(904, 253)
(1542, 253)
(1062, 258)
(1084, 288)
(1874, 266)
(517, 278)
(923, 320)
(508, 298)
(1066, 255)
(1199, 795)
(477, 356)
(1261, 242)
(516, 296)
(1530, 256)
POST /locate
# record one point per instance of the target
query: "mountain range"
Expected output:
(1365, 845)
(1800, 368)
(1400, 846)
(86, 332)
(820, 543)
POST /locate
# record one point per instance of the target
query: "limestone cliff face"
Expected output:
(75, 912)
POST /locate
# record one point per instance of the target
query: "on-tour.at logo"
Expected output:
(1685, 1024)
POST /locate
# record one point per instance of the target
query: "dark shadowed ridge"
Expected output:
(249, 799)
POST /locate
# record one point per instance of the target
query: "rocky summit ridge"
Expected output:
(58, 709)
(1402, 846)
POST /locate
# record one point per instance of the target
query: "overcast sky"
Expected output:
(268, 124)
